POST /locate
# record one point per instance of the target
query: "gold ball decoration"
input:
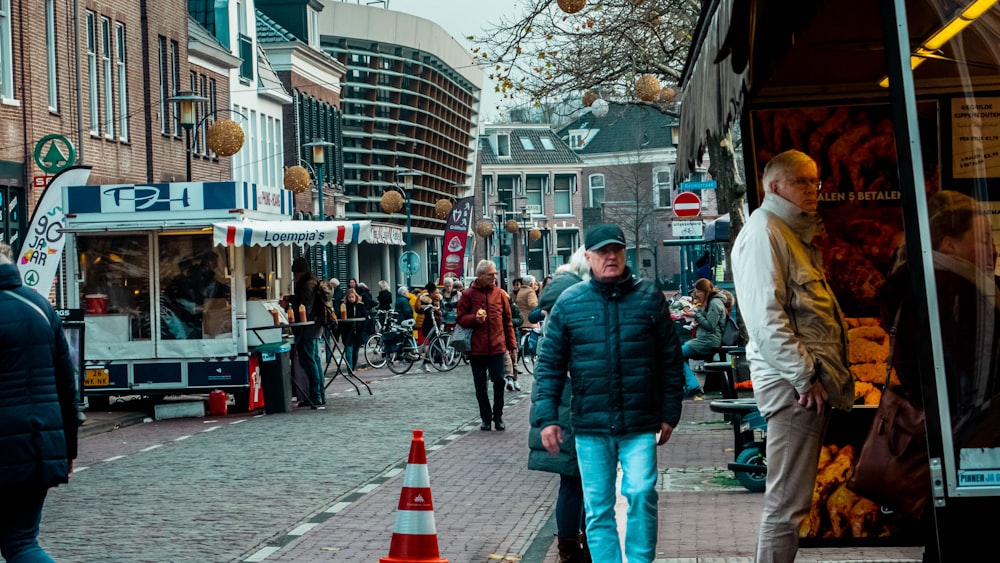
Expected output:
(225, 137)
(484, 228)
(647, 87)
(442, 208)
(510, 226)
(589, 97)
(571, 6)
(534, 234)
(392, 202)
(297, 179)
(667, 94)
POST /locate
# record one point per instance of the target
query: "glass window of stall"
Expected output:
(115, 286)
(195, 293)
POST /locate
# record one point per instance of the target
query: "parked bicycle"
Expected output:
(528, 347)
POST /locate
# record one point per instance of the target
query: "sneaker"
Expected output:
(695, 394)
(517, 386)
(510, 383)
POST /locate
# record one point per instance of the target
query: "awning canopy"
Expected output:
(280, 233)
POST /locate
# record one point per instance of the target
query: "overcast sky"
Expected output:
(462, 18)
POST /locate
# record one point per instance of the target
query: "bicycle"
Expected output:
(528, 347)
(439, 350)
(373, 349)
(399, 347)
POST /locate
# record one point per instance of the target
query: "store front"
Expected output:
(896, 101)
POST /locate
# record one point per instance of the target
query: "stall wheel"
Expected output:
(753, 481)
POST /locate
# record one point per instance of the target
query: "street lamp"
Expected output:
(319, 158)
(186, 101)
(408, 176)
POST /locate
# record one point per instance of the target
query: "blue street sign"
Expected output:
(706, 185)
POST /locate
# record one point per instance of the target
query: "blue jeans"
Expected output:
(305, 349)
(20, 514)
(569, 507)
(690, 381)
(598, 457)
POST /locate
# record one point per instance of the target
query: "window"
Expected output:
(175, 81)
(661, 187)
(547, 144)
(533, 186)
(50, 55)
(596, 190)
(577, 139)
(562, 197)
(120, 62)
(503, 145)
(527, 144)
(6, 54)
(505, 191)
(164, 87)
(109, 99)
(566, 244)
(95, 120)
(312, 25)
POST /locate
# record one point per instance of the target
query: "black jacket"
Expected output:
(38, 414)
(618, 342)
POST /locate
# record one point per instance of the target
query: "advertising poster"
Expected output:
(975, 137)
(456, 233)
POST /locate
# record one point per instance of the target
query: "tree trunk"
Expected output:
(730, 190)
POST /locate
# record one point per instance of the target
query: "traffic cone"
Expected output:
(414, 538)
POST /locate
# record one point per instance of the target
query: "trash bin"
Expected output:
(276, 376)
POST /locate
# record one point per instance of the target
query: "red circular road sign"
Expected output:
(687, 204)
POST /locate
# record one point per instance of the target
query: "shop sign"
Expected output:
(387, 234)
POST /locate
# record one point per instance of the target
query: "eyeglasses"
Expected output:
(815, 183)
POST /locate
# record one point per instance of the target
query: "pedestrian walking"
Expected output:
(797, 350)
(570, 516)
(307, 337)
(352, 331)
(613, 335)
(38, 412)
(485, 308)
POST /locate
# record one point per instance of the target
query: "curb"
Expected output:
(92, 427)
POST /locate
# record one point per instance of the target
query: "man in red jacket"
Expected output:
(486, 310)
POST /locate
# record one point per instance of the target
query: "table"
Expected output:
(335, 349)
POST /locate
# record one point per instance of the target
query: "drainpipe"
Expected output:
(79, 96)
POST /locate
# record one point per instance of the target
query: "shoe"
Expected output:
(499, 425)
(510, 383)
(485, 427)
(517, 386)
(695, 394)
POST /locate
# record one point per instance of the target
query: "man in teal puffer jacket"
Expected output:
(615, 336)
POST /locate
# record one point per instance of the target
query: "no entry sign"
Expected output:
(687, 204)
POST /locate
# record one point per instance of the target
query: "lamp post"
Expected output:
(525, 222)
(408, 176)
(319, 159)
(186, 100)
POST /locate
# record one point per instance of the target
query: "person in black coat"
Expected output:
(353, 331)
(38, 412)
(384, 296)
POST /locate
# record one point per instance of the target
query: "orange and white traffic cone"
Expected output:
(414, 538)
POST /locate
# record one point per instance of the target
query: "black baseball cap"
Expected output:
(602, 235)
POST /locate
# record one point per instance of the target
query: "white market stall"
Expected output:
(176, 279)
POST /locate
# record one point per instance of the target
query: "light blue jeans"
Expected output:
(20, 515)
(598, 457)
(690, 381)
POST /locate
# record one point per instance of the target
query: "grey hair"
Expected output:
(483, 265)
(784, 163)
(403, 290)
(577, 264)
(6, 253)
(335, 282)
(528, 280)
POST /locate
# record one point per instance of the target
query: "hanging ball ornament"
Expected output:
(600, 108)
(647, 87)
(667, 94)
(572, 6)
(484, 228)
(589, 97)
(392, 202)
(534, 234)
(510, 226)
(225, 137)
(296, 179)
(442, 208)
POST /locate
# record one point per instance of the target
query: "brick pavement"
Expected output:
(488, 507)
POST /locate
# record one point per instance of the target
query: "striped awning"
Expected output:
(281, 233)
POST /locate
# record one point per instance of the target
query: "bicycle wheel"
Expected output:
(442, 356)
(374, 352)
(528, 354)
(401, 361)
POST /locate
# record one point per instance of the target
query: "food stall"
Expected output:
(895, 100)
(177, 280)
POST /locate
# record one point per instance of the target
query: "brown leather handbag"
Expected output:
(893, 467)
